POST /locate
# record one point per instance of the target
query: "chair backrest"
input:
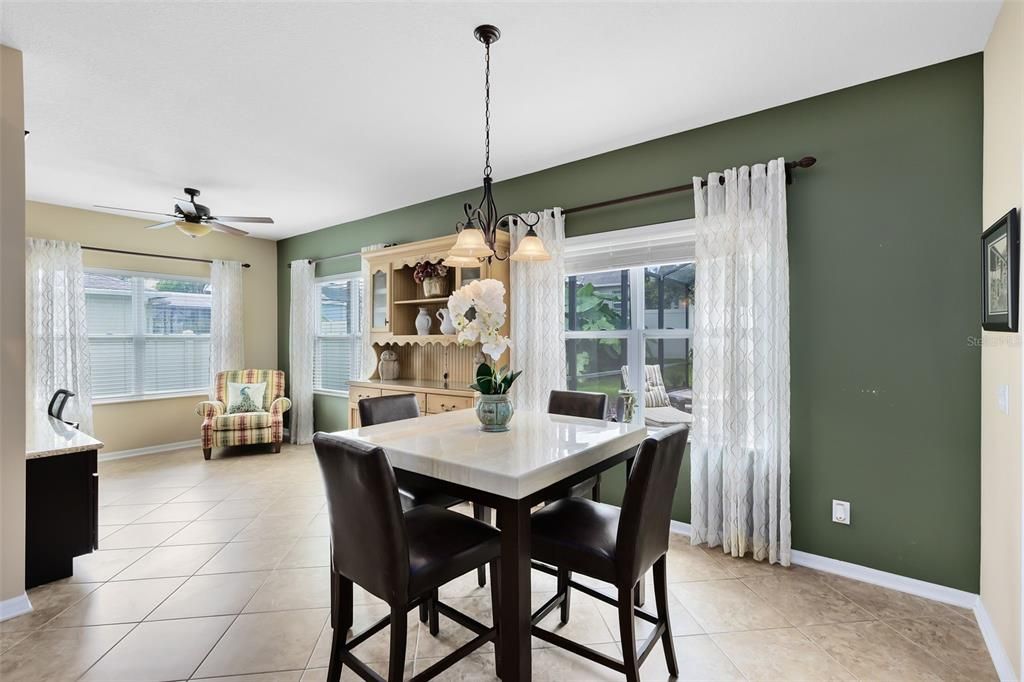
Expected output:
(647, 505)
(369, 545)
(273, 378)
(578, 404)
(388, 408)
(655, 394)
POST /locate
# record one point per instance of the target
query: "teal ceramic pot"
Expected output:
(494, 412)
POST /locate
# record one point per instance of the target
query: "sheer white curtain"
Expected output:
(740, 443)
(227, 331)
(538, 315)
(57, 335)
(301, 342)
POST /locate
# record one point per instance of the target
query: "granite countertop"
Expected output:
(539, 448)
(47, 437)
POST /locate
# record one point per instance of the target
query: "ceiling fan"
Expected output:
(194, 219)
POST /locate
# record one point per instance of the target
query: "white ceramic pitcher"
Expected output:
(447, 327)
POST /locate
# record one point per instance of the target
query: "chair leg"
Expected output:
(435, 621)
(640, 591)
(341, 622)
(661, 600)
(207, 452)
(495, 612)
(341, 602)
(424, 610)
(337, 645)
(399, 632)
(277, 447)
(627, 634)
(595, 492)
(564, 575)
(481, 513)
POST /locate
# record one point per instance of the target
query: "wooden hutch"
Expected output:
(394, 300)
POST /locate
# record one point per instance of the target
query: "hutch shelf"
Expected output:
(433, 367)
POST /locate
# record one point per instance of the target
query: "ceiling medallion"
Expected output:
(478, 233)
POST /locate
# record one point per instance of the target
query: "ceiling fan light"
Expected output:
(471, 244)
(531, 249)
(193, 230)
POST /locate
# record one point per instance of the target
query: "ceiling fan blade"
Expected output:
(243, 219)
(186, 207)
(160, 226)
(221, 227)
(134, 210)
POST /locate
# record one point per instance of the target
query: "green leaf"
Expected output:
(485, 379)
(507, 381)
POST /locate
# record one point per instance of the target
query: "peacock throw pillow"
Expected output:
(246, 397)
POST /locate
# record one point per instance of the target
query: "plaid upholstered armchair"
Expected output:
(263, 425)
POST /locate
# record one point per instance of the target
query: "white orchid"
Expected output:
(478, 313)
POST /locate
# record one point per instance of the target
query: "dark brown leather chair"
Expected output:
(391, 408)
(399, 556)
(617, 546)
(580, 404)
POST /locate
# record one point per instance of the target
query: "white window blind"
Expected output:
(633, 247)
(148, 334)
(336, 355)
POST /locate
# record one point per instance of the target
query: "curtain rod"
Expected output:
(153, 255)
(327, 258)
(805, 162)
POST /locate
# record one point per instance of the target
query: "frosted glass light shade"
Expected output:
(461, 261)
(531, 248)
(193, 229)
(471, 244)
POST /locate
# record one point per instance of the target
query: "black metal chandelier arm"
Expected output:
(530, 219)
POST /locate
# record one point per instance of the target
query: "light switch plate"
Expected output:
(1003, 397)
(841, 512)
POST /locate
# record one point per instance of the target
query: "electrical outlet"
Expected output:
(841, 512)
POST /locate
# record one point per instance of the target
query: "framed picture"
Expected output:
(1000, 273)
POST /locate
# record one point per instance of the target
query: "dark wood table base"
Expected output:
(513, 517)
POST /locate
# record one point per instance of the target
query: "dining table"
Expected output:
(539, 458)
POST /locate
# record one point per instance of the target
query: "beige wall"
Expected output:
(145, 423)
(1001, 353)
(12, 326)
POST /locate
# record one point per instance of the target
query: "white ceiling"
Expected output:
(317, 114)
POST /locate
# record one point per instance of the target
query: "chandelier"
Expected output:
(478, 233)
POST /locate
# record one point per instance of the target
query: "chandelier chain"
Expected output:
(487, 110)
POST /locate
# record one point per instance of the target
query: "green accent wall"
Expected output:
(884, 295)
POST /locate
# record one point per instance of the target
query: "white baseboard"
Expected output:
(946, 595)
(15, 606)
(920, 588)
(150, 450)
(995, 648)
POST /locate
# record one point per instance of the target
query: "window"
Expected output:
(338, 349)
(148, 334)
(631, 318)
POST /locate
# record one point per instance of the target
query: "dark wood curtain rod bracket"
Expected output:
(805, 162)
(153, 255)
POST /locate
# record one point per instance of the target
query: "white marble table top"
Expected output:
(538, 450)
(46, 437)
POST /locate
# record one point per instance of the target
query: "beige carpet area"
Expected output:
(219, 570)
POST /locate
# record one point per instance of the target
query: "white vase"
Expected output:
(423, 322)
(447, 326)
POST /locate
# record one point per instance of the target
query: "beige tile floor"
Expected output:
(218, 570)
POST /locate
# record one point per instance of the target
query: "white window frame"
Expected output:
(139, 337)
(356, 323)
(630, 249)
